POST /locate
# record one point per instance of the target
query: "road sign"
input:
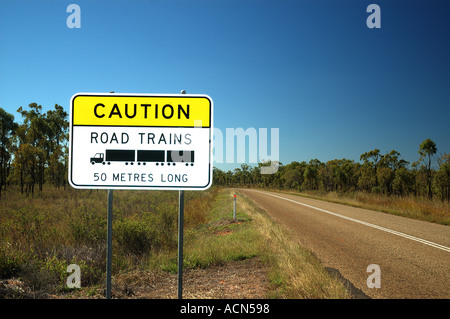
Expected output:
(140, 141)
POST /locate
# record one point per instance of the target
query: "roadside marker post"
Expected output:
(234, 211)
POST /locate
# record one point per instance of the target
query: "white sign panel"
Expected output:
(139, 141)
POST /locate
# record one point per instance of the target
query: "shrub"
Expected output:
(149, 231)
(88, 227)
(134, 236)
(10, 262)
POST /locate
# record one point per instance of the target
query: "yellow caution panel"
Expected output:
(141, 110)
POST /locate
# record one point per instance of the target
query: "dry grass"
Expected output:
(41, 235)
(435, 211)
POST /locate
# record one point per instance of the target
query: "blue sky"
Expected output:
(334, 87)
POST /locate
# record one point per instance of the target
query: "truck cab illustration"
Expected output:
(98, 158)
(127, 156)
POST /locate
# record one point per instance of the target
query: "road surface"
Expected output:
(413, 256)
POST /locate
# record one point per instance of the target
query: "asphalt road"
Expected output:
(413, 256)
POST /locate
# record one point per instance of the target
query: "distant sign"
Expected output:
(140, 141)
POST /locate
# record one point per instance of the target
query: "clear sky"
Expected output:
(334, 87)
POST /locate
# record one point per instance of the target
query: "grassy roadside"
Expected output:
(293, 272)
(41, 236)
(214, 241)
(434, 211)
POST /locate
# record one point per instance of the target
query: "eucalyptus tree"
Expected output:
(7, 129)
(427, 150)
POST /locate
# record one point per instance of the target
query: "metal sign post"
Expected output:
(109, 244)
(180, 244)
(180, 237)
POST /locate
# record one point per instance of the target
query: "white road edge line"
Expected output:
(420, 240)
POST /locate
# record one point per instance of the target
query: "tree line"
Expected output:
(34, 152)
(375, 173)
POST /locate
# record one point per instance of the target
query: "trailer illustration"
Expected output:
(142, 157)
(145, 156)
(180, 157)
